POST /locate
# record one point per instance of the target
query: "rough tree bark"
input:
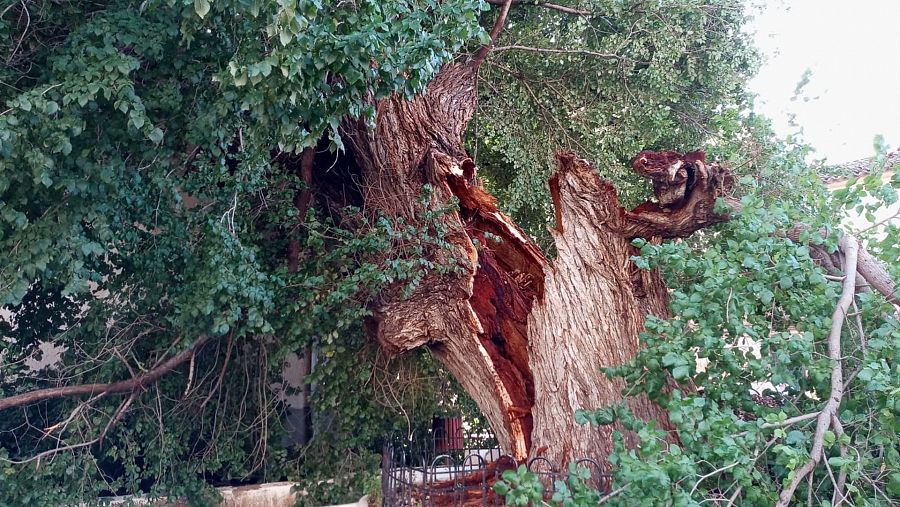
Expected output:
(523, 335)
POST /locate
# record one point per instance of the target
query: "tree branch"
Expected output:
(875, 274)
(868, 267)
(838, 497)
(686, 189)
(495, 32)
(221, 378)
(123, 386)
(545, 5)
(583, 52)
(828, 415)
(792, 420)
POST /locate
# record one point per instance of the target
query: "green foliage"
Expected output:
(338, 476)
(520, 487)
(746, 352)
(523, 487)
(147, 189)
(147, 198)
(876, 192)
(104, 117)
(632, 75)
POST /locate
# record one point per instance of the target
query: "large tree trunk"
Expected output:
(523, 335)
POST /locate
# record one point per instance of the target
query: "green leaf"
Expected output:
(837, 461)
(796, 437)
(201, 7)
(156, 135)
(91, 248)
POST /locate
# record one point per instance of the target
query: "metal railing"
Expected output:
(414, 475)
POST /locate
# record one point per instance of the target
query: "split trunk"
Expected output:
(524, 335)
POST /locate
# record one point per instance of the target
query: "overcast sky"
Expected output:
(853, 51)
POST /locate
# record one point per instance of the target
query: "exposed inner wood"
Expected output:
(419, 142)
(524, 336)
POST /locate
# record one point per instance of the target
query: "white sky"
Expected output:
(853, 51)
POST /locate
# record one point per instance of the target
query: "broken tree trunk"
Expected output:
(523, 335)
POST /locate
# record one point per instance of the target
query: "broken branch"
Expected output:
(686, 190)
(828, 415)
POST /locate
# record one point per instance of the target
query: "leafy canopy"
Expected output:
(147, 183)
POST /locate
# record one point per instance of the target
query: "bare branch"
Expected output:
(221, 378)
(545, 5)
(117, 416)
(583, 52)
(875, 274)
(868, 267)
(838, 497)
(792, 420)
(714, 472)
(734, 496)
(51, 452)
(613, 493)
(123, 386)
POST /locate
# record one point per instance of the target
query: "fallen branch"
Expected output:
(734, 496)
(221, 378)
(838, 498)
(714, 472)
(874, 273)
(117, 416)
(51, 452)
(124, 386)
(828, 416)
(613, 494)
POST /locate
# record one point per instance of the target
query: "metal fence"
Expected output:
(415, 475)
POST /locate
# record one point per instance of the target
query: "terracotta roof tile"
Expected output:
(856, 168)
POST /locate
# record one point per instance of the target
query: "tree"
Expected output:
(497, 327)
(178, 158)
